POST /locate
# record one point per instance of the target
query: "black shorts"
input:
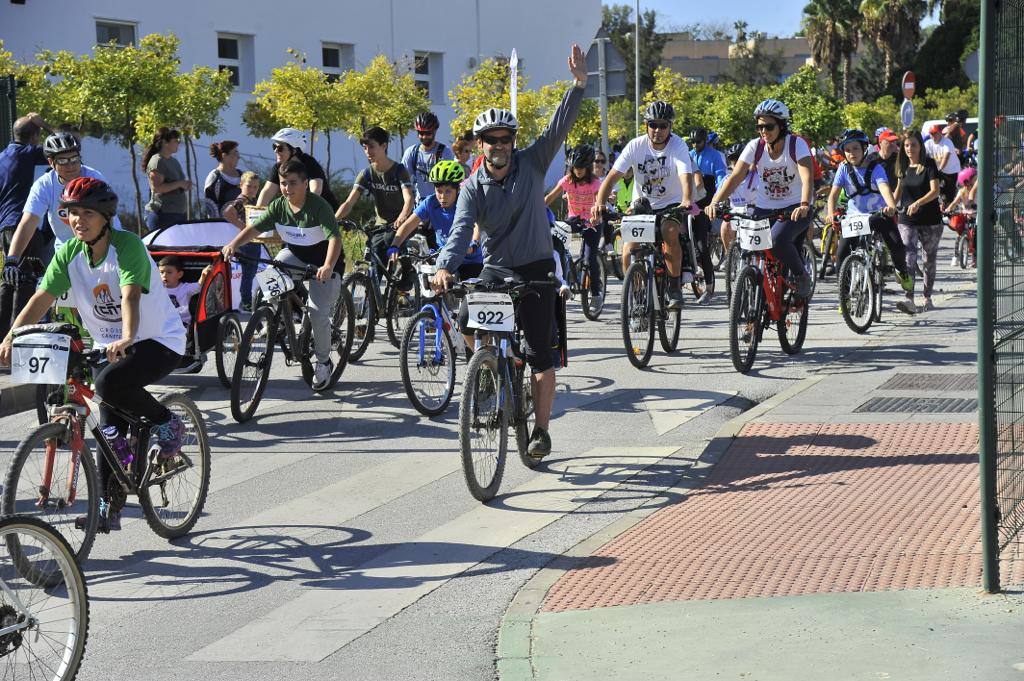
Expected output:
(535, 314)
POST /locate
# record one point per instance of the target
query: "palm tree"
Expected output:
(895, 27)
(831, 26)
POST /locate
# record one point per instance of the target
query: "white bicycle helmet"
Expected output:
(773, 108)
(492, 119)
(293, 137)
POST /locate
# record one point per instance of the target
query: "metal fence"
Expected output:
(8, 110)
(1001, 284)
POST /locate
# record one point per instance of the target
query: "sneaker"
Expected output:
(705, 299)
(906, 281)
(168, 437)
(109, 520)
(928, 305)
(906, 306)
(597, 300)
(322, 374)
(955, 262)
(675, 298)
(540, 443)
(801, 286)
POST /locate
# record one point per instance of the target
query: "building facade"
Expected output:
(445, 41)
(707, 61)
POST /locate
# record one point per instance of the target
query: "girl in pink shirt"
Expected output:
(580, 188)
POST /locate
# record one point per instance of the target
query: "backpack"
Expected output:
(859, 189)
(817, 172)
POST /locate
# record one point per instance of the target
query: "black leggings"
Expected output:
(701, 235)
(591, 252)
(536, 311)
(886, 228)
(123, 385)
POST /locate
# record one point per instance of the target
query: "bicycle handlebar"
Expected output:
(509, 285)
(308, 271)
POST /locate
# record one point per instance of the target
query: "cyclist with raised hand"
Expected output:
(711, 164)
(664, 177)
(419, 158)
(288, 144)
(867, 189)
(123, 304)
(390, 185)
(505, 198)
(580, 189)
(309, 230)
(785, 172)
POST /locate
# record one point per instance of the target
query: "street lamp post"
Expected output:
(636, 68)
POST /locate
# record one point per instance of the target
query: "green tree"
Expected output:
(383, 94)
(894, 27)
(936, 103)
(832, 28)
(258, 121)
(816, 113)
(619, 22)
(621, 121)
(939, 62)
(870, 116)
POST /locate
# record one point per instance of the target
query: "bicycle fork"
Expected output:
(76, 446)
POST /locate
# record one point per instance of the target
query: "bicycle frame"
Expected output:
(443, 321)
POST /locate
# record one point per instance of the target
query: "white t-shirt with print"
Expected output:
(935, 151)
(656, 171)
(44, 197)
(778, 180)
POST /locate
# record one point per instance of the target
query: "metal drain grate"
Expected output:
(937, 382)
(918, 405)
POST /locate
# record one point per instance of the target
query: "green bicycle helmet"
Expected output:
(447, 172)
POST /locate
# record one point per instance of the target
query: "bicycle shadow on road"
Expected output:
(242, 559)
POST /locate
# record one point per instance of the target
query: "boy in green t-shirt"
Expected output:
(306, 224)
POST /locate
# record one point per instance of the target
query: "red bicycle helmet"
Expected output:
(89, 192)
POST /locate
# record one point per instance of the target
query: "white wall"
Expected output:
(540, 30)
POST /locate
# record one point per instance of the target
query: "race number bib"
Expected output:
(491, 311)
(855, 225)
(562, 232)
(274, 283)
(40, 358)
(753, 235)
(638, 229)
(301, 236)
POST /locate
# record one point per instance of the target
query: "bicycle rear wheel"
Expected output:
(364, 313)
(810, 265)
(963, 251)
(229, 341)
(26, 494)
(717, 251)
(342, 327)
(592, 307)
(733, 258)
(856, 293)
(173, 499)
(252, 370)
(669, 322)
(636, 312)
(616, 255)
(745, 319)
(45, 595)
(427, 361)
(828, 242)
(483, 427)
(792, 325)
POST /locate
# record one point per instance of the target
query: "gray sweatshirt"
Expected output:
(511, 213)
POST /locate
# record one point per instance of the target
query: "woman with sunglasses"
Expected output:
(288, 144)
(785, 172)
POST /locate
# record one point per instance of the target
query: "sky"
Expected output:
(782, 19)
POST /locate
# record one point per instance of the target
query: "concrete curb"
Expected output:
(17, 398)
(515, 633)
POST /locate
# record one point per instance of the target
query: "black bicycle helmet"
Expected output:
(698, 135)
(735, 150)
(427, 121)
(952, 117)
(61, 143)
(659, 111)
(582, 156)
(853, 135)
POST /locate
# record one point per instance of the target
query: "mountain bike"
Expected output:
(44, 603)
(431, 344)
(396, 304)
(44, 477)
(498, 392)
(861, 274)
(281, 317)
(577, 270)
(761, 296)
(643, 304)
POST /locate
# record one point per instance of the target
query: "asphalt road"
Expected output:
(339, 540)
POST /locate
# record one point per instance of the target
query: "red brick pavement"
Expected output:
(803, 508)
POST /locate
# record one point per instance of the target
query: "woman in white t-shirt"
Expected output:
(785, 171)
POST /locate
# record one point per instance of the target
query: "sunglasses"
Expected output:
(425, 133)
(654, 125)
(600, 161)
(765, 127)
(279, 147)
(492, 140)
(70, 160)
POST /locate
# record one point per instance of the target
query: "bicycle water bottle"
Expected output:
(119, 444)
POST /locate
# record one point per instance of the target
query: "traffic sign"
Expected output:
(909, 85)
(907, 114)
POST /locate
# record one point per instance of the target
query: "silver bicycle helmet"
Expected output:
(659, 111)
(773, 108)
(493, 119)
(61, 143)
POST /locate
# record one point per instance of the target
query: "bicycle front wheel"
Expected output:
(810, 265)
(47, 480)
(792, 325)
(733, 258)
(427, 361)
(717, 252)
(526, 417)
(856, 293)
(828, 243)
(44, 603)
(172, 500)
(483, 426)
(342, 328)
(636, 310)
(252, 369)
(745, 319)
(229, 341)
(401, 307)
(364, 313)
(616, 256)
(593, 305)
(669, 324)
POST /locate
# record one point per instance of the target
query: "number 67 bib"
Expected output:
(491, 311)
(40, 358)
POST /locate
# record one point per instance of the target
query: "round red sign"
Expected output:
(909, 85)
